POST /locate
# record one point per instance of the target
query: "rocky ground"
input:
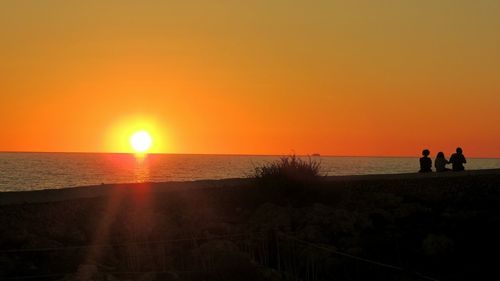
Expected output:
(364, 228)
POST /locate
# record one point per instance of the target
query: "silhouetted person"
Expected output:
(440, 163)
(425, 162)
(457, 160)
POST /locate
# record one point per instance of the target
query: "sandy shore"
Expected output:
(53, 195)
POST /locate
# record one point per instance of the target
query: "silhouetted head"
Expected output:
(426, 152)
(459, 150)
(440, 155)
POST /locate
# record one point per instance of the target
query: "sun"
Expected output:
(141, 141)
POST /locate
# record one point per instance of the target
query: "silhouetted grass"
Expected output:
(289, 171)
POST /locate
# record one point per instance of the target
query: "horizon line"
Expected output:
(233, 154)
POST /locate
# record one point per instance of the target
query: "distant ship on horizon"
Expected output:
(315, 154)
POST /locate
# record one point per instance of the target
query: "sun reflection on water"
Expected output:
(141, 168)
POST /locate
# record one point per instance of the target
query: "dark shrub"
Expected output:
(289, 171)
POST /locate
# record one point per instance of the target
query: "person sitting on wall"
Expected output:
(457, 160)
(425, 162)
(440, 163)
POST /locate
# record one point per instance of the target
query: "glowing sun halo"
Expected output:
(141, 141)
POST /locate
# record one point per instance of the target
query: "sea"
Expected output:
(23, 171)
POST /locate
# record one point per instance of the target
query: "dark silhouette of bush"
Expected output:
(289, 171)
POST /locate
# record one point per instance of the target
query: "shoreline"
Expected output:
(103, 190)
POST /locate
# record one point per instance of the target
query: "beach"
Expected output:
(440, 226)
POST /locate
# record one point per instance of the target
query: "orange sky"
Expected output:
(264, 77)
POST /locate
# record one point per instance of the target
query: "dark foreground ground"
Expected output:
(403, 227)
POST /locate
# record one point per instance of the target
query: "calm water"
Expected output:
(30, 171)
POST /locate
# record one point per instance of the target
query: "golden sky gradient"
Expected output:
(251, 77)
